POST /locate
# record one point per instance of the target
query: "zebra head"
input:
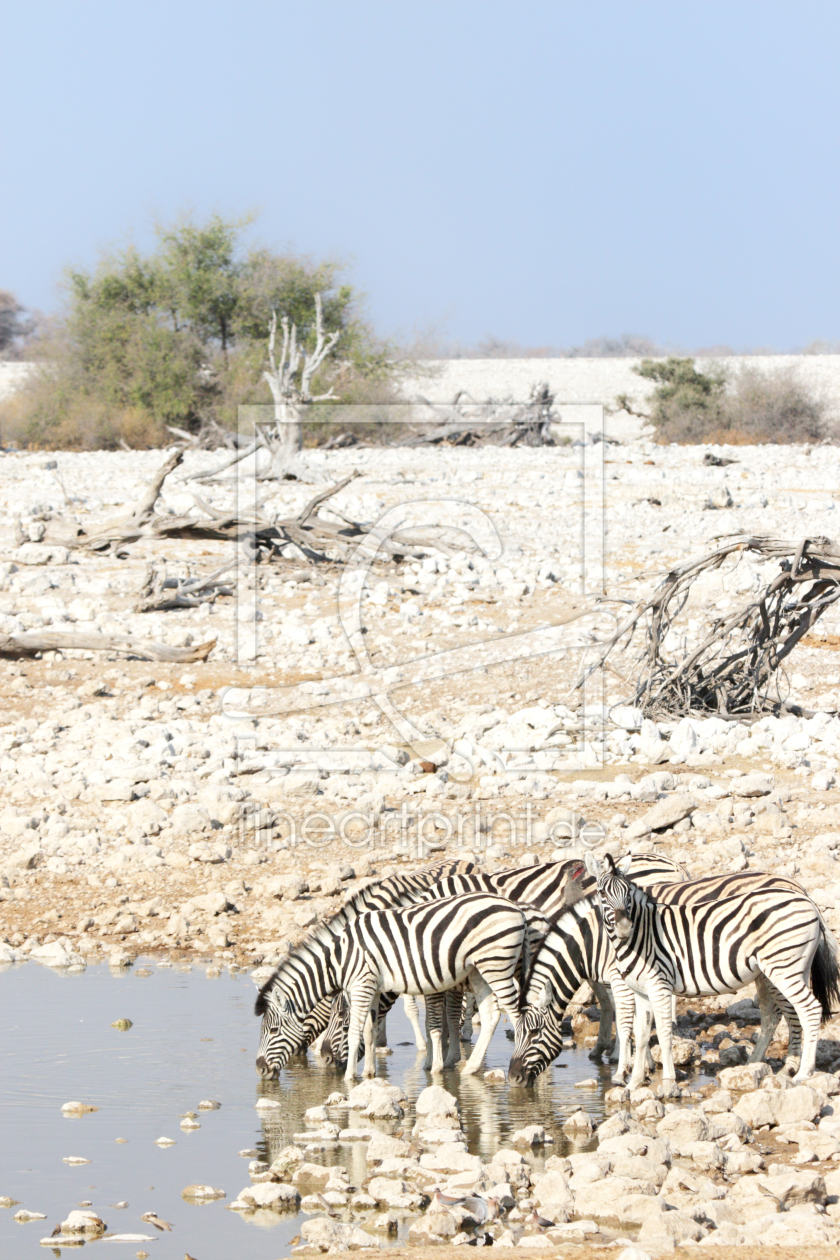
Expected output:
(282, 1033)
(334, 1049)
(538, 1038)
(615, 895)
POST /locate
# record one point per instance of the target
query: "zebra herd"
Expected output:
(523, 941)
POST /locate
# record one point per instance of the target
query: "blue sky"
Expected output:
(543, 172)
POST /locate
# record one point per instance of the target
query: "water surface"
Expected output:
(195, 1038)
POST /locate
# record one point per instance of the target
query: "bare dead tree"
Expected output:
(316, 538)
(733, 668)
(289, 378)
(29, 642)
(185, 592)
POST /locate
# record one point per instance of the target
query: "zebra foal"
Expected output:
(714, 947)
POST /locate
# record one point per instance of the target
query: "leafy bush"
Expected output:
(178, 337)
(687, 404)
(749, 406)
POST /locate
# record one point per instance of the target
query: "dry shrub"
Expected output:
(44, 414)
(775, 407)
(751, 405)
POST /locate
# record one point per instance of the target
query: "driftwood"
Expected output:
(317, 539)
(189, 593)
(732, 671)
(32, 641)
(505, 423)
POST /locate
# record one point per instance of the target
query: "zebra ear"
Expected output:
(592, 864)
(609, 864)
(624, 864)
(546, 997)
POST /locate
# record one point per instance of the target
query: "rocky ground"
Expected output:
(713, 1164)
(141, 812)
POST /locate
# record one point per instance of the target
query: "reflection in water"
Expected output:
(193, 1038)
(491, 1111)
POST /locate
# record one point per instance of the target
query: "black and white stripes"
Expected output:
(715, 947)
(424, 950)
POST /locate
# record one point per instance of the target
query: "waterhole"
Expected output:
(194, 1038)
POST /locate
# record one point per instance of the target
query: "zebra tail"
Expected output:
(825, 973)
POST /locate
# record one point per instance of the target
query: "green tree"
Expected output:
(179, 336)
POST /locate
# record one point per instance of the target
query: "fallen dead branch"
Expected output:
(733, 669)
(32, 641)
(189, 593)
(317, 539)
(505, 423)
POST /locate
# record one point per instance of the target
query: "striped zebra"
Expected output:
(578, 948)
(714, 947)
(381, 894)
(425, 950)
(550, 888)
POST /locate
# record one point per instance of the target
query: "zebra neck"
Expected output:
(570, 954)
(308, 974)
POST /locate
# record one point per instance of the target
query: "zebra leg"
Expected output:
(625, 1010)
(661, 999)
(434, 1036)
(603, 997)
(360, 996)
(316, 1045)
(642, 1028)
(469, 1010)
(770, 1016)
(489, 1013)
(413, 1015)
(781, 1006)
(795, 990)
(452, 1003)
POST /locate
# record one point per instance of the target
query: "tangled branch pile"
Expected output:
(733, 671)
(505, 423)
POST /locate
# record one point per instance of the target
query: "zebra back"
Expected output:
(426, 947)
(717, 887)
(309, 960)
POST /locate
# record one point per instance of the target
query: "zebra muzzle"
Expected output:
(623, 925)
(264, 1067)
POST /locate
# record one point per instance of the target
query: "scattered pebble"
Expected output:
(77, 1108)
(201, 1194)
(25, 1215)
(164, 1141)
(122, 1025)
(75, 1159)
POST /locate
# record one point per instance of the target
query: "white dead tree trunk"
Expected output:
(289, 378)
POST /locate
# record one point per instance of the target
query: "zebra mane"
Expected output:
(566, 915)
(320, 934)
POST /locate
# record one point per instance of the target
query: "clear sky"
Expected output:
(545, 172)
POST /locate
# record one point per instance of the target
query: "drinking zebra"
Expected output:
(423, 950)
(714, 947)
(550, 888)
(578, 948)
